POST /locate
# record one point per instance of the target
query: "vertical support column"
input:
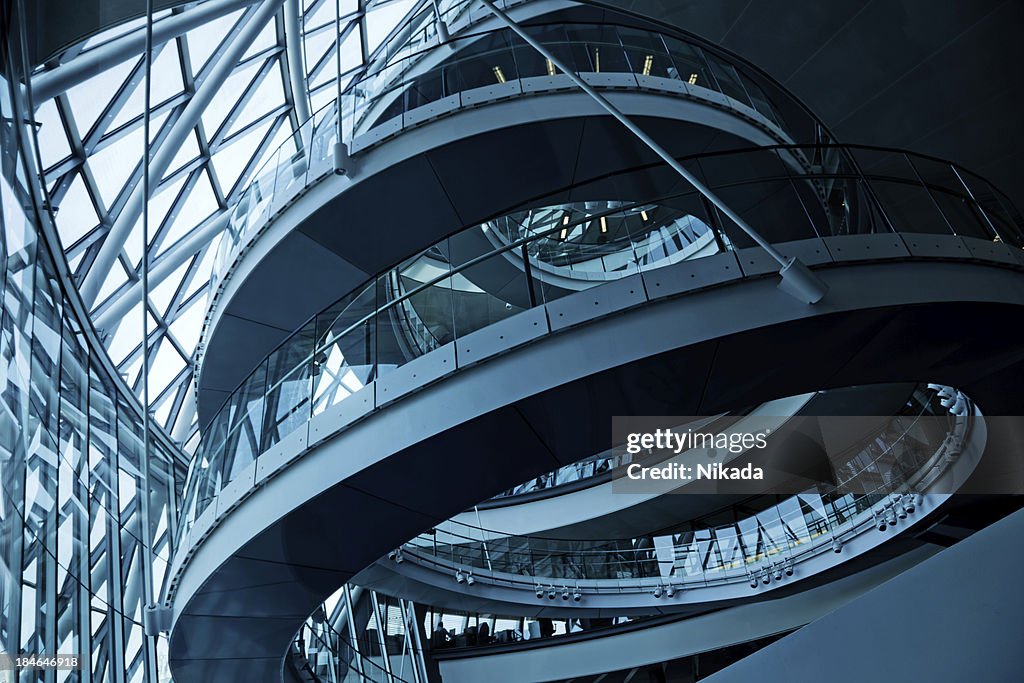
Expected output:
(296, 64)
(145, 528)
(352, 635)
(412, 641)
(382, 641)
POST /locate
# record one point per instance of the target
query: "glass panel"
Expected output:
(416, 314)
(960, 210)
(555, 39)
(759, 99)
(646, 52)
(689, 64)
(601, 46)
(489, 61)
(489, 290)
(1004, 217)
(344, 361)
(757, 186)
(246, 424)
(676, 229)
(909, 207)
(728, 80)
(289, 373)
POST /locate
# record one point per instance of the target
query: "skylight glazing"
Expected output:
(91, 142)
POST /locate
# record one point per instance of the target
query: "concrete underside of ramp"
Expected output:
(351, 498)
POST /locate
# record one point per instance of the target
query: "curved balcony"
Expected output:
(406, 93)
(890, 478)
(488, 86)
(517, 648)
(465, 283)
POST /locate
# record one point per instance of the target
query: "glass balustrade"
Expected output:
(487, 273)
(880, 478)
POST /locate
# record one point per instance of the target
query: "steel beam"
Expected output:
(168, 263)
(296, 64)
(175, 139)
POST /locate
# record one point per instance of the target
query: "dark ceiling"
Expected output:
(940, 77)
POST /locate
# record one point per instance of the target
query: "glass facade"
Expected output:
(86, 520)
(86, 524)
(360, 635)
(90, 149)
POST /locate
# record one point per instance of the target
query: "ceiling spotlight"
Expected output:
(908, 503)
(788, 567)
(576, 595)
(880, 522)
(565, 593)
(753, 581)
(670, 591)
(551, 593)
(892, 516)
(657, 592)
(540, 592)
(392, 555)
(459, 576)
(766, 578)
(469, 579)
(778, 572)
(837, 545)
